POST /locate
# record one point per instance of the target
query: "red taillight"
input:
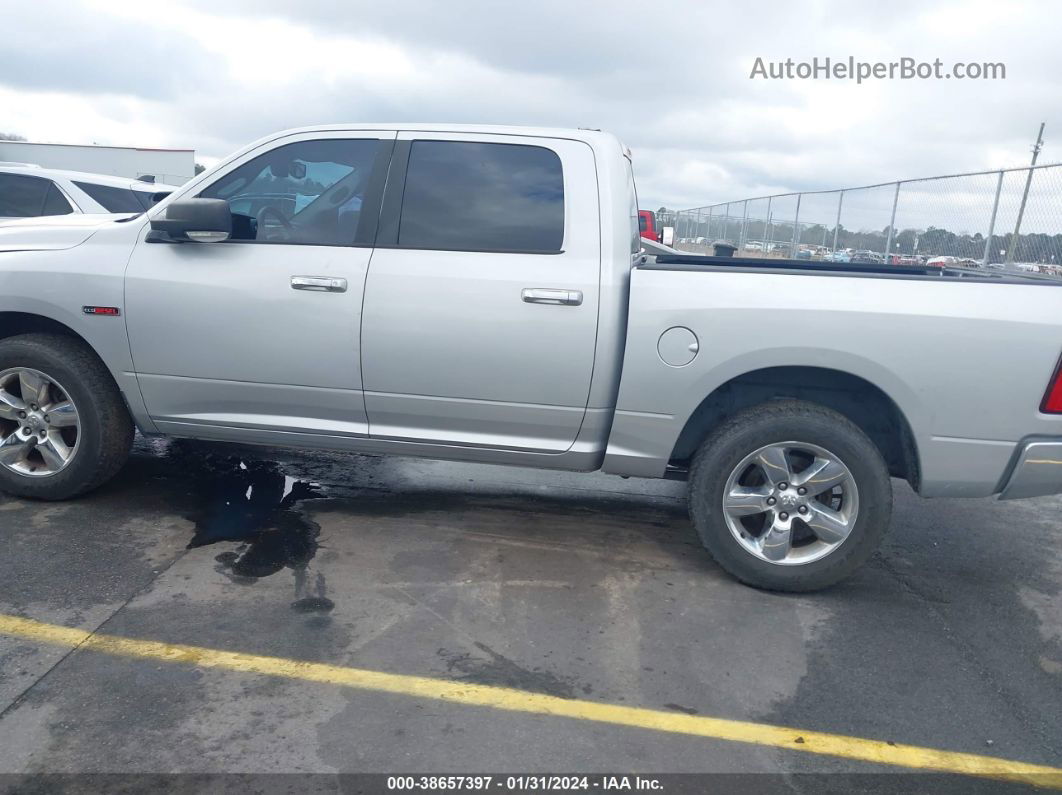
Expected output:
(1053, 398)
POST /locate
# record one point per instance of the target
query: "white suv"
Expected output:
(28, 191)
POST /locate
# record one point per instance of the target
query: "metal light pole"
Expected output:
(744, 225)
(1025, 196)
(892, 223)
(837, 223)
(992, 223)
(767, 227)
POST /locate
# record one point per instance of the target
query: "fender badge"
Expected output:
(110, 311)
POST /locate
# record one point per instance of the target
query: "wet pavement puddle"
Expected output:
(255, 505)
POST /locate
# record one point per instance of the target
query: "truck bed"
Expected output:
(964, 357)
(767, 264)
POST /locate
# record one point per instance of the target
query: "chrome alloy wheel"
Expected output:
(791, 503)
(39, 424)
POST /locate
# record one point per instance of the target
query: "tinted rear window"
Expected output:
(22, 196)
(117, 200)
(55, 203)
(482, 197)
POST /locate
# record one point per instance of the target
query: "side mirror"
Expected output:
(200, 220)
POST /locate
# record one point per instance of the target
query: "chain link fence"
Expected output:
(1009, 219)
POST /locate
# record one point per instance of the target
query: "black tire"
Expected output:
(772, 423)
(106, 429)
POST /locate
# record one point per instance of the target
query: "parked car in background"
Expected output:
(648, 227)
(838, 256)
(866, 257)
(942, 262)
(753, 245)
(28, 191)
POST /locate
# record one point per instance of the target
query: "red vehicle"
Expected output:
(647, 226)
(903, 259)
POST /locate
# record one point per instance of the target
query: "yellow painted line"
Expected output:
(503, 698)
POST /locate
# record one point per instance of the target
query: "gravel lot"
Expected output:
(583, 586)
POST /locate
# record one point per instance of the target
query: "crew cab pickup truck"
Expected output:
(482, 294)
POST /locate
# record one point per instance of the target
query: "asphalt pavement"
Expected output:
(586, 587)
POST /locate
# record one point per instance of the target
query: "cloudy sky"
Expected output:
(670, 78)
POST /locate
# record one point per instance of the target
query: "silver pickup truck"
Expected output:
(482, 294)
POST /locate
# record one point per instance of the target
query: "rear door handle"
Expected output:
(545, 295)
(321, 284)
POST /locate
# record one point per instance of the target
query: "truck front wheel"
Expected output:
(64, 429)
(789, 496)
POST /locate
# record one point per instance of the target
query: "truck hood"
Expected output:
(52, 233)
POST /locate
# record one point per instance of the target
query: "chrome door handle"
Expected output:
(545, 295)
(323, 284)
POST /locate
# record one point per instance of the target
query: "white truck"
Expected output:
(481, 294)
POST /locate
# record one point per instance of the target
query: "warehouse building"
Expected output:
(170, 166)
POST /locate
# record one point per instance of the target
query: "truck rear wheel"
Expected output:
(790, 496)
(64, 429)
